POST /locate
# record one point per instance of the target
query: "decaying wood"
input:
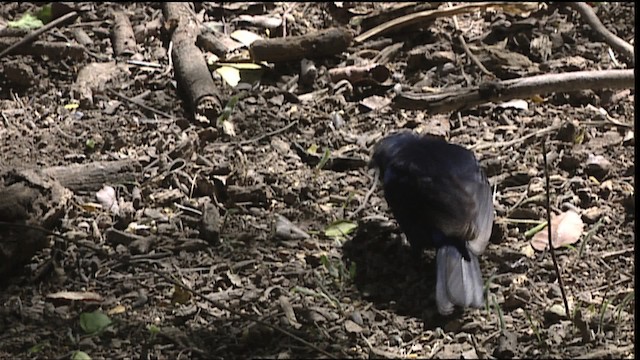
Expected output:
(55, 50)
(359, 73)
(515, 89)
(124, 41)
(27, 198)
(191, 69)
(313, 45)
(92, 176)
(32, 202)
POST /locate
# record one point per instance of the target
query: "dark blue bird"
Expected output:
(441, 199)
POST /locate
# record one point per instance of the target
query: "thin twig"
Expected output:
(419, 17)
(271, 133)
(609, 254)
(551, 249)
(466, 49)
(374, 182)
(482, 146)
(32, 36)
(137, 102)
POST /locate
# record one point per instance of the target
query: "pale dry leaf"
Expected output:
(107, 198)
(245, 37)
(566, 229)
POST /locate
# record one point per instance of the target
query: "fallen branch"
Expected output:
(124, 42)
(34, 35)
(92, 176)
(53, 49)
(419, 17)
(317, 44)
(515, 89)
(191, 69)
(590, 17)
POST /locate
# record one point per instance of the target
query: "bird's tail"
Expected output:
(459, 281)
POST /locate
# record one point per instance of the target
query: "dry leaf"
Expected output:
(107, 198)
(352, 327)
(245, 37)
(566, 229)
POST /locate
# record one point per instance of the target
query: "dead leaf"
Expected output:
(288, 311)
(352, 327)
(245, 37)
(180, 295)
(234, 279)
(107, 197)
(566, 229)
(375, 102)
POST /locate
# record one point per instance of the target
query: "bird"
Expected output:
(441, 199)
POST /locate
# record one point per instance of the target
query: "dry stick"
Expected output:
(551, 249)
(419, 17)
(124, 40)
(482, 146)
(516, 89)
(237, 313)
(466, 49)
(610, 351)
(137, 102)
(271, 133)
(27, 39)
(609, 254)
(367, 196)
(590, 17)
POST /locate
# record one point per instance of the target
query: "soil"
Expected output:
(358, 295)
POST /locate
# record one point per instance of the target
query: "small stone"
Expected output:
(597, 166)
(592, 214)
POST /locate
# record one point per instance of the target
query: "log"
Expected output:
(192, 72)
(313, 45)
(92, 176)
(32, 202)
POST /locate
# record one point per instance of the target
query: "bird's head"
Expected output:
(387, 148)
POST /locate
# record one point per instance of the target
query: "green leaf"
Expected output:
(153, 329)
(80, 355)
(91, 144)
(313, 149)
(26, 22)
(340, 229)
(228, 109)
(323, 161)
(94, 322)
(45, 14)
(38, 347)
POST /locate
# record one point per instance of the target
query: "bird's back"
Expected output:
(436, 190)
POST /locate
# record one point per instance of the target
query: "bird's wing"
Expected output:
(459, 204)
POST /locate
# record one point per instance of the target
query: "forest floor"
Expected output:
(345, 281)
